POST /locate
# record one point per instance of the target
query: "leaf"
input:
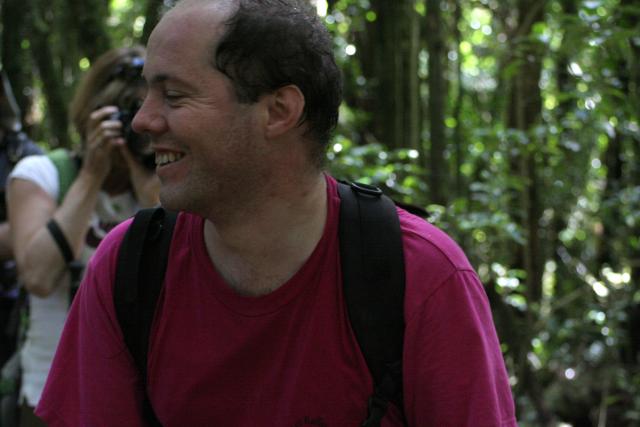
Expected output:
(592, 4)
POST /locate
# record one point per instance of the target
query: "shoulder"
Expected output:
(432, 260)
(429, 244)
(105, 257)
(32, 164)
(31, 148)
(40, 170)
(109, 246)
(102, 264)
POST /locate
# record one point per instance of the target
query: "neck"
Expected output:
(257, 252)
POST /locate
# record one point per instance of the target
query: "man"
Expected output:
(14, 145)
(251, 328)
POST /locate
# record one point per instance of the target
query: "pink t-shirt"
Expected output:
(285, 359)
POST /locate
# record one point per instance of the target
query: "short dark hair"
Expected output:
(269, 44)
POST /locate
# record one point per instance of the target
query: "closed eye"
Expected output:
(172, 96)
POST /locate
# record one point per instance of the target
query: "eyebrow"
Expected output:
(158, 78)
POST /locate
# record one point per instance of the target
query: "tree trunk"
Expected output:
(15, 60)
(629, 74)
(459, 143)
(525, 111)
(610, 215)
(411, 90)
(48, 68)
(524, 114)
(395, 36)
(91, 16)
(566, 84)
(437, 166)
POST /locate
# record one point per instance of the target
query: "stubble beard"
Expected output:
(188, 196)
(229, 195)
(226, 188)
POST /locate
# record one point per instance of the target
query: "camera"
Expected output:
(139, 145)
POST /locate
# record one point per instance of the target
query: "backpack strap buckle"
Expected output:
(369, 190)
(376, 409)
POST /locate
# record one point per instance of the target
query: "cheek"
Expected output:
(191, 125)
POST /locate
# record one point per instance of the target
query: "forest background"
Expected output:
(515, 124)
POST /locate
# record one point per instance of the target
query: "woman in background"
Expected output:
(62, 204)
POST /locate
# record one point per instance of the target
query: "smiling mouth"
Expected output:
(163, 159)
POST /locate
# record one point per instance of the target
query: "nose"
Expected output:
(149, 118)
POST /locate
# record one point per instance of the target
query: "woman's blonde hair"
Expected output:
(108, 82)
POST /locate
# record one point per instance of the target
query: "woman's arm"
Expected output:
(6, 252)
(39, 260)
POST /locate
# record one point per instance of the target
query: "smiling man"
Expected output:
(251, 327)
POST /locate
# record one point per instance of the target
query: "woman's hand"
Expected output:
(145, 182)
(103, 135)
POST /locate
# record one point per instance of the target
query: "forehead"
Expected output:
(201, 17)
(189, 32)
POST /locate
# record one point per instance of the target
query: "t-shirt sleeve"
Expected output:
(39, 170)
(454, 373)
(93, 380)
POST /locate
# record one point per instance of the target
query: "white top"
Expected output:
(47, 315)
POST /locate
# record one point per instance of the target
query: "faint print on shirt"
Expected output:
(310, 421)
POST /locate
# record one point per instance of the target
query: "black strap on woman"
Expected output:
(75, 266)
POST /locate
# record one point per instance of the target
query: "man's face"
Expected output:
(208, 146)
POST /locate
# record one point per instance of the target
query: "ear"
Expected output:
(284, 108)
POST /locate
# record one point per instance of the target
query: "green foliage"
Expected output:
(126, 21)
(577, 340)
(397, 171)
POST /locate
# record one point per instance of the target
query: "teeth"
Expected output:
(166, 158)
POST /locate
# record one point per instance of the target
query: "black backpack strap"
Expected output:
(373, 278)
(142, 261)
